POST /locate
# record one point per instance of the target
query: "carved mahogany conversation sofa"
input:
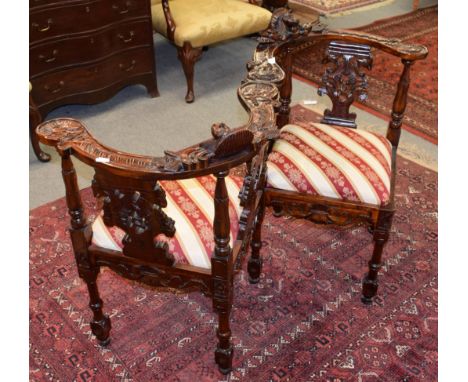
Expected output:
(192, 25)
(175, 221)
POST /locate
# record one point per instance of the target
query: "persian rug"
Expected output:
(329, 7)
(419, 27)
(304, 321)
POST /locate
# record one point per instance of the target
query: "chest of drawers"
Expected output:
(84, 51)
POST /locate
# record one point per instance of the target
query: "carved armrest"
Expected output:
(394, 46)
(286, 33)
(228, 148)
(171, 25)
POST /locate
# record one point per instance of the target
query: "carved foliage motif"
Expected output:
(344, 80)
(264, 71)
(140, 215)
(321, 213)
(155, 276)
(284, 26)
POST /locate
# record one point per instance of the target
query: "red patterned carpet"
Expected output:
(334, 6)
(303, 322)
(419, 27)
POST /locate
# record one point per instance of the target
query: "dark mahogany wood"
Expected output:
(88, 61)
(35, 119)
(348, 54)
(344, 80)
(188, 56)
(127, 187)
(272, 5)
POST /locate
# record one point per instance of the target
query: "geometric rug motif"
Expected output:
(334, 6)
(304, 321)
(419, 27)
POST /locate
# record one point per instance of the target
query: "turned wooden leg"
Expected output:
(188, 56)
(222, 270)
(100, 325)
(381, 233)
(224, 351)
(34, 120)
(81, 233)
(254, 265)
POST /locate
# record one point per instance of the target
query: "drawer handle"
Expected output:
(129, 67)
(58, 88)
(52, 58)
(43, 29)
(122, 11)
(128, 39)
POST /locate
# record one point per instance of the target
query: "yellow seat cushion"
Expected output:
(205, 22)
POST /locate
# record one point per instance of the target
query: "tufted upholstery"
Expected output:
(190, 203)
(205, 22)
(331, 161)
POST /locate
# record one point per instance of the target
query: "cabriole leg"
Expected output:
(188, 56)
(35, 119)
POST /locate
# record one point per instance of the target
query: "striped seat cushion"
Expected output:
(331, 161)
(190, 204)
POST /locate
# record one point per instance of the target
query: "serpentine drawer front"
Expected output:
(84, 51)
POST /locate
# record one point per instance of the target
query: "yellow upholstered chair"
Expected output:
(194, 24)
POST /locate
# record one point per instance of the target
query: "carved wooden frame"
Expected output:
(348, 53)
(127, 186)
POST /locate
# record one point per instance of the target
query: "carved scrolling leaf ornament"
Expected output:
(344, 80)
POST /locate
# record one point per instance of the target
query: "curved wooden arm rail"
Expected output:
(348, 55)
(128, 186)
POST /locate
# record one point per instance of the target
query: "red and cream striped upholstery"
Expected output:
(190, 203)
(331, 161)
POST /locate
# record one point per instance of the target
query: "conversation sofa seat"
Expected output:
(331, 161)
(190, 203)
